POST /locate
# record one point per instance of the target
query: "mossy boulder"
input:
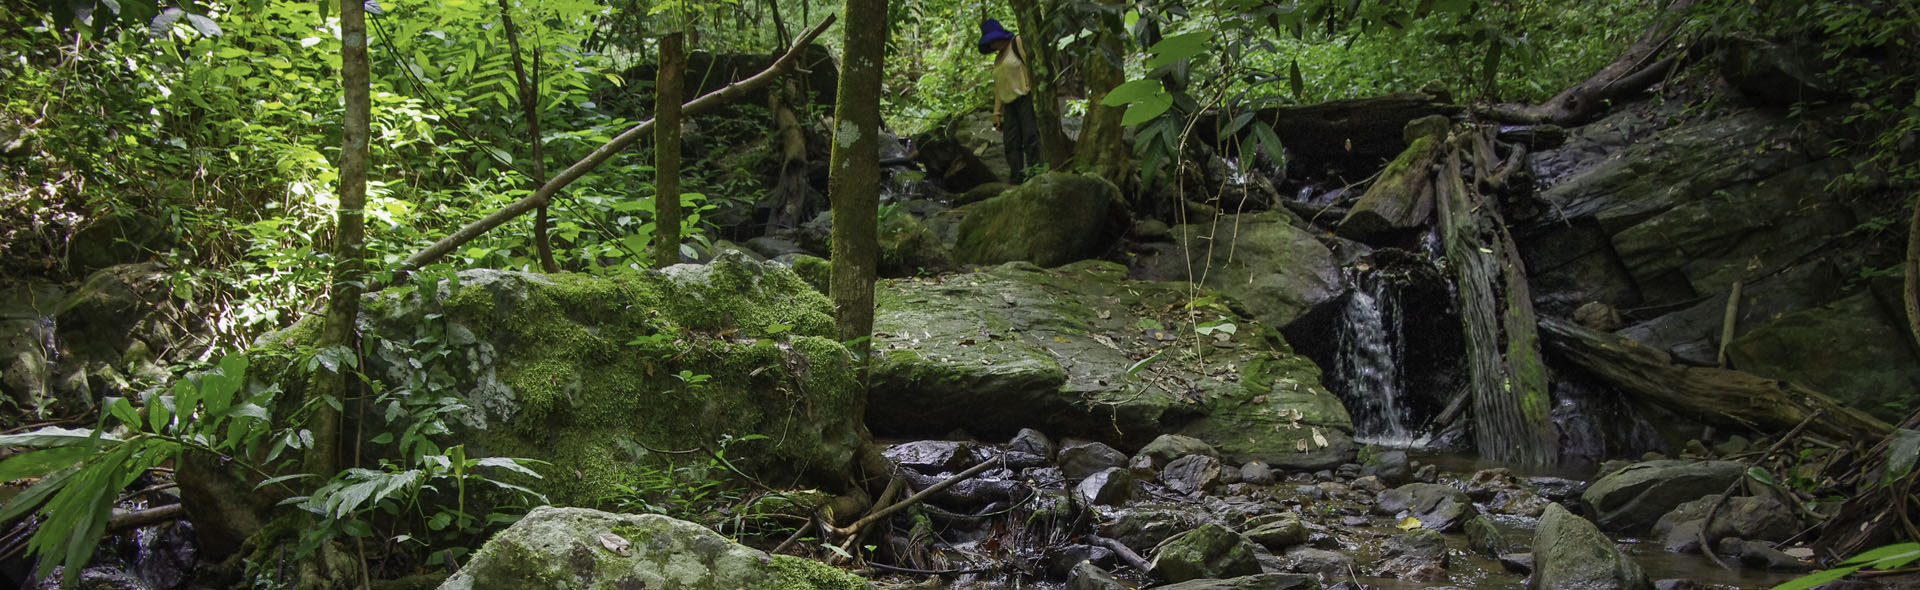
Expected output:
(1851, 349)
(1569, 552)
(588, 372)
(1211, 551)
(1275, 270)
(1051, 220)
(575, 548)
(908, 248)
(1067, 351)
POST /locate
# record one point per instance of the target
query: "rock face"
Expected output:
(1634, 498)
(1211, 551)
(1051, 220)
(61, 352)
(1274, 269)
(1652, 208)
(1020, 346)
(579, 370)
(567, 548)
(1570, 553)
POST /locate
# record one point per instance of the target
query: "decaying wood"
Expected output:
(1366, 129)
(123, 520)
(1913, 276)
(1637, 69)
(788, 199)
(881, 513)
(1727, 321)
(1506, 376)
(1121, 550)
(706, 103)
(1716, 396)
(1402, 197)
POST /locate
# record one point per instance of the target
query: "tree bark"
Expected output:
(1717, 396)
(666, 150)
(1102, 149)
(1042, 61)
(788, 199)
(705, 103)
(1505, 374)
(343, 295)
(530, 110)
(1913, 276)
(853, 177)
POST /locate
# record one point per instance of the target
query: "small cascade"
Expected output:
(1368, 368)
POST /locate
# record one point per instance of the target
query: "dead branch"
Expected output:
(878, 514)
(1637, 68)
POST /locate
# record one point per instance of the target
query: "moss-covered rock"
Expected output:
(1051, 220)
(1277, 271)
(1211, 551)
(1850, 349)
(908, 248)
(1067, 351)
(584, 371)
(574, 548)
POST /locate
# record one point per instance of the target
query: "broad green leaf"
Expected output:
(122, 409)
(42, 462)
(1269, 143)
(1816, 578)
(1146, 110)
(1132, 91)
(1178, 47)
(1299, 84)
(1142, 363)
(1901, 453)
(164, 22)
(1760, 474)
(52, 436)
(204, 25)
(508, 464)
(1887, 557)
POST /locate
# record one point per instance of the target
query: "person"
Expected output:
(1012, 98)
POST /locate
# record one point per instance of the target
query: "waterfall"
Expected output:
(1368, 368)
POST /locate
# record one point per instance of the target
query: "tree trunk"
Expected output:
(1507, 379)
(530, 110)
(705, 103)
(1913, 276)
(666, 150)
(1717, 396)
(343, 295)
(1102, 150)
(853, 177)
(1042, 60)
(788, 199)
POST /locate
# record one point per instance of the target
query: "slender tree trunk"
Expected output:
(343, 295)
(1055, 149)
(530, 110)
(1102, 150)
(1913, 276)
(853, 171)
(705, 103)
(666, 150)
(1506, 377)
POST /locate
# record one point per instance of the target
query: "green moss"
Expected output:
(793, 573)
(816, 271)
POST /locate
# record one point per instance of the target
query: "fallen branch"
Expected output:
(1123, 552)
(706, 103)
(138, 518)
(1637, 68)
(854, 528)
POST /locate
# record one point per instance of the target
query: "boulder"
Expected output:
(1051, 349)
(1418, 555)
(1050, 220)
(27, 328)
(1167, 447)
(1391, 466)
(1761, 554)
(1277, 531)
(1078, 461)
(1274, 269)
(1309, 560)
(1087, 576)
(565, 548)
(1253, 582)
(1635, 498)
(1109, 487)
(1257, 473)
(1852, 349)
(1148, 526)
(908, 248)
(1570, 552)
(1061, 560)
(931, 456)
(1192, 474)
(1747, 517)
(1439, 507)
(1484, 538)
(1210, 551)
(580, 371)
(1032, 442)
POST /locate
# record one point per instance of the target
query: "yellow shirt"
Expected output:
(1010, 77)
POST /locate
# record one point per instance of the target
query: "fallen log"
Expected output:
(1365, 130)
(1636, 69)
(1717, 396)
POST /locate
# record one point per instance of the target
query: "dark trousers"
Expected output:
(1022, 138)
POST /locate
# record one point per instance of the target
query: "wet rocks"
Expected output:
(1570, 552)
(1109, 487)
(1087, 576)
(1147, 526)
(1746, 517)
(1210, 551)
(1050, 220)
(1257, 473)
(1419, 555)
(1277, 531)
(1032, 442)
(931, 456)
(1309, 560)
(1439, 507)
(1081, 459)
(1253, 582)
(1484, 538)
(1168, 447)
(1761, 554)
(1192, 474)
(1635, 498)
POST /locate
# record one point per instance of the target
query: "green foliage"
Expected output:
(705, 490)
(1884, 558)
(82, 472)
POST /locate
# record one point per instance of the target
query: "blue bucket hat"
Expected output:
(991, 31)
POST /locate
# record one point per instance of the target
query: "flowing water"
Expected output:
(1368, 370)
